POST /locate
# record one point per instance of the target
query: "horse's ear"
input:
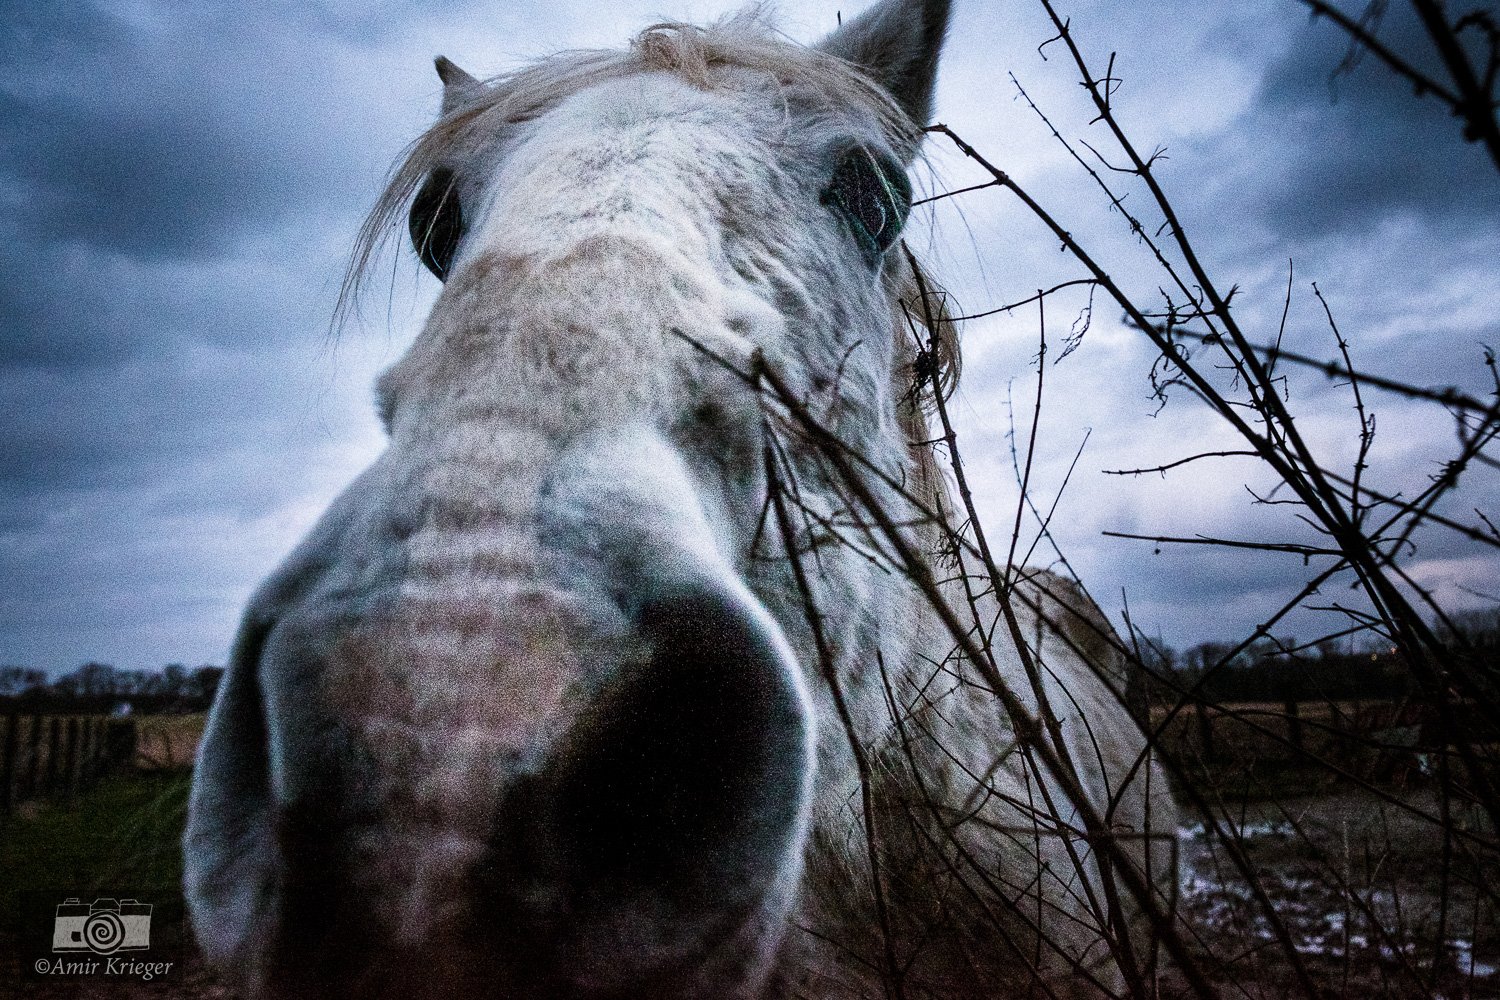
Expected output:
(897, 43)
(458, 86)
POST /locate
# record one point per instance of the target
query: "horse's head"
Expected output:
(524, 715)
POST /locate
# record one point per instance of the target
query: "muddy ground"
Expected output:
(1370, 897)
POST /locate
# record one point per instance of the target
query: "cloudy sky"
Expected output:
(181, 183)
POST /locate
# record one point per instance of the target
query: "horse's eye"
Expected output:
(437, 222)
(873, 194)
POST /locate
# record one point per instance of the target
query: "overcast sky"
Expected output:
(181, 183)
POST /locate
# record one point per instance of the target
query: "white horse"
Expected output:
(623, 673)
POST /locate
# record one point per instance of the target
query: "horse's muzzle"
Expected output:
(370, 820)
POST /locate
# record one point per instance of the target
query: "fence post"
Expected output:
(34, 755)
(101, 728)
(119, 741)
(1294, 724)
(54, 748)
(86, 753)
(8, 763)
(96, 748)
(70, 774)
(1206, 733)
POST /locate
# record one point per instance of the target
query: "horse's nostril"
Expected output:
(684, 790)
(657, 783)
(695, 763)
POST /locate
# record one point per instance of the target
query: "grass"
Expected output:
(123, 835)
(126, 832)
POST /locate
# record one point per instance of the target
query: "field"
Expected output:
(1358, 871)
(124, 832)
(168, 742)
(1356, 877)
(1358, 883)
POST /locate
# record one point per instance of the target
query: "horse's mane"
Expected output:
(926, 340)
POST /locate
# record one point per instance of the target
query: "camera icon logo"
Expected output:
(102, 927)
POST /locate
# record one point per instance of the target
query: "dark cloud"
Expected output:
(73, 431)
(139, 504)
(182, 175)
(1322, 154)
(129, 135)
(179, 186)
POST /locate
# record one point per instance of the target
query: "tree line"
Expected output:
(1280, 669)
(100, 688)
(1270, 669)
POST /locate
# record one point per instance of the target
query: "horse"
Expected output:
(650, 659)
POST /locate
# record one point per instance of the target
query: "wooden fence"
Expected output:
(1375, 738)
(46, 756)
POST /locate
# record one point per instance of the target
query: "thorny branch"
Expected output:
(1471, 94)
(1368, 531)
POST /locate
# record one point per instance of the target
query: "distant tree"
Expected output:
(89, 681)
(202, 683)
(174, 678)
(1206, 655)
(1480, 627)
(1330, 648)
(96, 687)
(16, 680)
